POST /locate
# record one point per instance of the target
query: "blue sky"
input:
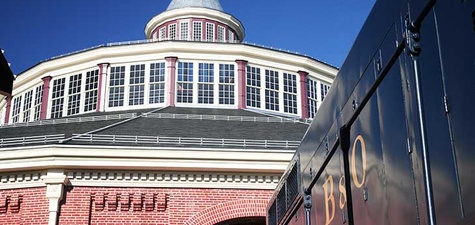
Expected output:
(35, 30)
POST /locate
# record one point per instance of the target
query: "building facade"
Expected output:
(190, 126)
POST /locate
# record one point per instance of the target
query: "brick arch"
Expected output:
(230, 210)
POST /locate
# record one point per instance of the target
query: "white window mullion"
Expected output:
(166, 99)
(82, 101)
(263, 88)
(126, 85)
(196, 69)
(146, 83)
(281, 91)
(216, 85)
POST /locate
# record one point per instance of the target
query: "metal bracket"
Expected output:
(413, 38)
(345, 147)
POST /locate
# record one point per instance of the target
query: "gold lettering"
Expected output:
(341, 187)
(329, 200)
(357, 182)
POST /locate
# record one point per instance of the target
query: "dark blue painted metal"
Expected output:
(393, 141)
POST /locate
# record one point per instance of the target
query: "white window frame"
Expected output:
(172, 31)
(210, 32)
(184, 30)
(197, 30)
(162, 34)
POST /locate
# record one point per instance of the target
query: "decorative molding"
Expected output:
(172, 179)
(145, 179)
(117, 158)
(21, 180)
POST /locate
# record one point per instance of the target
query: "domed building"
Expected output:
(190, 126)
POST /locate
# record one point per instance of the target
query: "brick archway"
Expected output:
(230, 210)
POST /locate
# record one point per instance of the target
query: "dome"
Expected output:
(210, 4)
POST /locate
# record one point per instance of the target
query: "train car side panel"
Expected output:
(456, 39)
(393, 141)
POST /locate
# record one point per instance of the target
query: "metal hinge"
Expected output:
(413, 38)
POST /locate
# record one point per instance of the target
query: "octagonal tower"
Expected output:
(195, 20)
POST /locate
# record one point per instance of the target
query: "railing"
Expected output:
(221, 118)
(4, 142)
(168, 39)
(182, 141)
(72, 120)
(154, 115)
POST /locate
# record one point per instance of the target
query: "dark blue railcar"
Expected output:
(393, 142)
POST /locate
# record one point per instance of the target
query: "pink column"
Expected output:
(45, 98)
(171, 64)
(9, 106)
(166, 31)
(303, 93)
(241, 82)
(215, 32)
(203, 31)
(101, 87)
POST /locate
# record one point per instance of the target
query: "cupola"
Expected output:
(195, 20)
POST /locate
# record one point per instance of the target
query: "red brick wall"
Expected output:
(24, 206)
(159, 205)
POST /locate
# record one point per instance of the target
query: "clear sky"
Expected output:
(35, 30)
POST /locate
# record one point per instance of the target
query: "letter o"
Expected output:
(357, 182)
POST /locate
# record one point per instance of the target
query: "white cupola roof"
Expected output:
(209, 4)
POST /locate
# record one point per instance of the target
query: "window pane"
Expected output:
(116, 89)
(57, 98)
(157, 83)
(253, 86)
(290, 93)
(226, 84)
(74, 94)
(272, 90)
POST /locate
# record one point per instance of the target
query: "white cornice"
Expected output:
(137, 158)
(148, 179)
(222, 17)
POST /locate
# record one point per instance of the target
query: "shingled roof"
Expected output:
(170, 126)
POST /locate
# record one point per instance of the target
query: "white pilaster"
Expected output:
(54, 180)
